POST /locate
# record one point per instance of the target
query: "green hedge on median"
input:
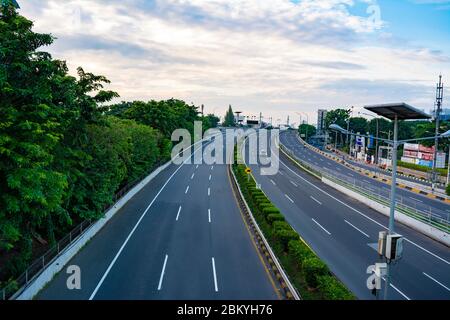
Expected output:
(308, 273)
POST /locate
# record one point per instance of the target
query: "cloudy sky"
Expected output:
(279, 57)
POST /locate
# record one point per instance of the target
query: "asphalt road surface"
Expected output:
(339, 229)
(181, 237)
(413, 200)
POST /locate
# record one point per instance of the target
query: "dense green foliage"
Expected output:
(401, 164)
(63, 153)
(229, 118)
(307, 130)
(308, 273)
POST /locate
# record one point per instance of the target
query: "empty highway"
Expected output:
(181, 237)
(340, 230)
(412, 200)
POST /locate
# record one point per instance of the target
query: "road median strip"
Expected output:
(288, 255)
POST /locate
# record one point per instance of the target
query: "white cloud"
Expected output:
(271, 56)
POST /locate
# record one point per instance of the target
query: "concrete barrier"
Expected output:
(59, 263)
(417, 225)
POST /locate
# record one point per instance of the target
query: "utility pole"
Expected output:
(439, 97)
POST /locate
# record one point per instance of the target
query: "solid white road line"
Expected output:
(216, 288)
(209, 215)
(316, 200)
(134, 229)
(289, 198)
(321, 227)
(396, 289)
(293, 183)
(273, 182)
(178, 214)
(162, 273)
(445, 287)
(357, 229)
(362, 214)
(187, 190)
(209, 192)
(193, 175)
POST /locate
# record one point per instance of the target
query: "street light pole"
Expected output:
(393, 200)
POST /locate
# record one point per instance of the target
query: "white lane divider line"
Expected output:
(193, 175)
(416, 199)
(216, 288)
(357, 229)
(209, 192)
(401, 293)
(321, 227)
(209, 215)
(212, 167)
(187, 190)
(135, 227)
(293, 183)
(178, 214)
(439, 283)
(196, 167)
(362, 214)
(161, 278)
(289, 198)
(273, 182)
(210, 177)
(320, 203)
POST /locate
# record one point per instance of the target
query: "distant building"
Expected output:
(444, 116)
(322, 114)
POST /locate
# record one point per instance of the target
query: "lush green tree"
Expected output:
(358, 124)
(307, 130)
(30, 189)
(337, 116)
(210, 121)
(229, 118)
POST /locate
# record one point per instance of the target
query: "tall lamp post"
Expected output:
(394, 112)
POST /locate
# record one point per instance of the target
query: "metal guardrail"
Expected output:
(378, 195)
(16, 287)
(288, 289)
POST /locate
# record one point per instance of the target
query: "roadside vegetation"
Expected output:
(307, 272)
(63, 152)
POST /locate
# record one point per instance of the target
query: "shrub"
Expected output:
(313, 268)
(300, 251)
(447, 190)
(263, 205)
(278, 225)
(270, 210)
(275, 217)
(333, 289)
(285, 235)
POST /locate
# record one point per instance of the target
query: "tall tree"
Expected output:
(229, 118)
(30, 189)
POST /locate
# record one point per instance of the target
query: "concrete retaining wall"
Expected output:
(428, 230)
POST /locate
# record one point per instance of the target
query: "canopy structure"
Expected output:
(12, 2)
(402, 110)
